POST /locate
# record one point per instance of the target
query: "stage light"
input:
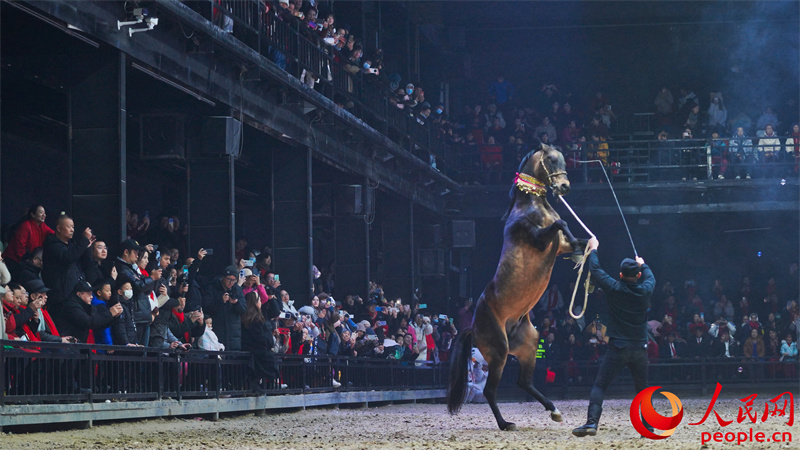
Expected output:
(783, 181)
(758, 254)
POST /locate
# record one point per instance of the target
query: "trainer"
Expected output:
(628, 303)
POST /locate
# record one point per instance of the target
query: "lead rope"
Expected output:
(579, 265)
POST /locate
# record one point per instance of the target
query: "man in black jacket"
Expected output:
(61, 260)
(142, 287)
(30, 267)
(628, 304)
(79, 317)
(223, 300)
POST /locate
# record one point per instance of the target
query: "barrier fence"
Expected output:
(37, 372)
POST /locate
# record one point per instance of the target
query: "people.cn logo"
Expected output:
(644, 402)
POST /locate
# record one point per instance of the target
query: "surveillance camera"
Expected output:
(151, 21)
(140, 12)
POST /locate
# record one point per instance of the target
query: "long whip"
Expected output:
(628, 230)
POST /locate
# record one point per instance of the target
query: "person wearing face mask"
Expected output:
(126, 333)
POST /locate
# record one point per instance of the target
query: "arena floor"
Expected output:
(407, 426)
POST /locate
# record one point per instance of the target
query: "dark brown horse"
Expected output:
(534, 235)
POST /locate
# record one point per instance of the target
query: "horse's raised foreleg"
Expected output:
(490, 338)
(567, 243)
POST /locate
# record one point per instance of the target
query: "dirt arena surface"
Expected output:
(409, 426)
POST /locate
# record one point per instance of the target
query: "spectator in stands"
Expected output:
(492, 160)
(664, 102)
(80, 319)
(41, 326)
(692, 121)
(699, 345)
(792, 147)
(224, 302)
(546, 127)
(754, 346)
(501, 91)
(724, 308)
(93, 270)
(788, 349)
(769, 148)
(29, 233)
(61, 259)
(15, 314)
(159, 329)
(772, 346)
(672, 349)
(186, 326)
(30, 267)
(725, 347)
(717, 113)
(209, 340)
(742, 156)
(597, 128)
(126, 333)
(142, 287)
(101, 299)
(135, 229)
(767, 118)
(687, 100)
(257, 339)
(722, 324)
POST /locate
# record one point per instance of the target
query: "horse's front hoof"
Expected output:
(509, 426)
(556, 415)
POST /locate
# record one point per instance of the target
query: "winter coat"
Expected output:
(788, 352)
(226, 315)
(125, 332)
(30, 235)
(27, 272)
(77, 318)
(142, 287)
(61, 267)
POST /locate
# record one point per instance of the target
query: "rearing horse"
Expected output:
(534, 235)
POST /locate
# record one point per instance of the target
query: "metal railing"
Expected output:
(37, 372)
(288, 43)
(635, 160)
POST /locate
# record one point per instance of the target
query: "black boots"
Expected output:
(590, 428)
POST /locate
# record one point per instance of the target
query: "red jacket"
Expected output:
(29, 235)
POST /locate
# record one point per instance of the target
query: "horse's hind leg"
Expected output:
(525, 340)
(492, 342)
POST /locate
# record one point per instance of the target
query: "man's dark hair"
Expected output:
(33, 254)
(12, 286)
(98, 285)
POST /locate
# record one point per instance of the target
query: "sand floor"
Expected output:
(409, 426)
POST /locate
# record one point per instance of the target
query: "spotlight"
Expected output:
(758, 254)
(783, 182)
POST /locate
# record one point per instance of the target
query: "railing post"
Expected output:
(178, 392)
(3, 365)
(709, 168)
(90, 374)
(703, 380)
(160, 376)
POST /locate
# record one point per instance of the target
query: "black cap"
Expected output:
(82, 286)
(130, 244)
(36, 286)
(629, 268)
(231, 271)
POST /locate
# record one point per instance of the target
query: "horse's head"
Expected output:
(548, 167)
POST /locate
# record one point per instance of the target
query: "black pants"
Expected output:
(633, 356)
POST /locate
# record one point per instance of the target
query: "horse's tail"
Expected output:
(459, 358)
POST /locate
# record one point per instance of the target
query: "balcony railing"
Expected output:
(37, 372)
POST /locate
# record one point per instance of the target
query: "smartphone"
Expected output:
(241, 273)
(379, 309)
(276, 277)
(209, 251)
(423, 305)
(451, 320)
(172, 221)
(185, 269)
(155, 246)
(381, 323)
(250, 262)
(443, 316)
(158, 255)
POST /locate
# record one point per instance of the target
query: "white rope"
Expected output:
(579, 265)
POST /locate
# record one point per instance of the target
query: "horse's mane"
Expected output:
(512, 193)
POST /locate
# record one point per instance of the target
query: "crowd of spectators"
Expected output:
(761, 325)
(59, 285)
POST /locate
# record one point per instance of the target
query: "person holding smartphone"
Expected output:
(223, 301)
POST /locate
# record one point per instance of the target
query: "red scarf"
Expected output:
(8, 315)
(180, 316)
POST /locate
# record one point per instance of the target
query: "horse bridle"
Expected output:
(546, 171)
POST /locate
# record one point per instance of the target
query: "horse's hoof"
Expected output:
(556, 415)
(509, 426)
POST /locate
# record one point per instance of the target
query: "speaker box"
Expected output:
(162, 136)
(463, 233)
(432, 262)
(222, 135)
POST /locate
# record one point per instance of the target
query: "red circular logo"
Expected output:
(644, 402)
